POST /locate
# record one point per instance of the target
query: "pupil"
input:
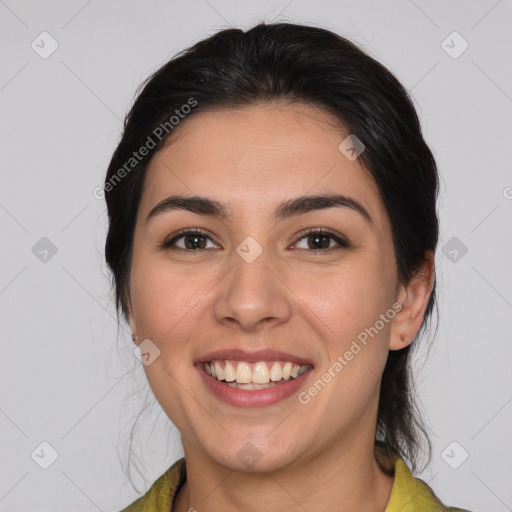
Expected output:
(318, 237)
(195, 238)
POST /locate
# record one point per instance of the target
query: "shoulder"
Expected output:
(410, 494)
(159, 496)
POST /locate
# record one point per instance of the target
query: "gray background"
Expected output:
(66, 378)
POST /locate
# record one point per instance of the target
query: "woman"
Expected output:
(272, 209)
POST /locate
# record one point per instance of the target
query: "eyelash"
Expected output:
(342, 243)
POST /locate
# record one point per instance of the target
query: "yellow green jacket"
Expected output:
(409, 494)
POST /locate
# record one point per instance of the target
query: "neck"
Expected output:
(344, 477)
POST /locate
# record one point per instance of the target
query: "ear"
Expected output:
(131, 321)
(414, 299)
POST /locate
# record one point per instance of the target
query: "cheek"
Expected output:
(166, 308)
(347, 299)
(172, 305)
(166, 304)
(355, 339)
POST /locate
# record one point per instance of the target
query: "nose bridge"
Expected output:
(251, 293)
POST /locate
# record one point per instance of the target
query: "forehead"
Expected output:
(253, 157)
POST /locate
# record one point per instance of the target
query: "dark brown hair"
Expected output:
(296, 63)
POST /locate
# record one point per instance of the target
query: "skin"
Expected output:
(318, 456)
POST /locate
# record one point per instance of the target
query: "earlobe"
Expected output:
(135, 337)
(131, 321)
(414, 298)
(398, 338)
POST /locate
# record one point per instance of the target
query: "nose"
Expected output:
(252, 296)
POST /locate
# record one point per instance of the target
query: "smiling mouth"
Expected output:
(253, 376)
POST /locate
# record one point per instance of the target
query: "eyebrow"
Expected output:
(286, 209)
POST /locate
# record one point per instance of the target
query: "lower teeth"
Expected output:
(252, 385)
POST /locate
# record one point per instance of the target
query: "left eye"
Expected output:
(321, 240)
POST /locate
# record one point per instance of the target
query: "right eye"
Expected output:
(194, 240)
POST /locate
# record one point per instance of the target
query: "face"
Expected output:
(274, 280)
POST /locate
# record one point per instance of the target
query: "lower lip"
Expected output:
(251, 397)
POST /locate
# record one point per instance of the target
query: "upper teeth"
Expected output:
(259, 373)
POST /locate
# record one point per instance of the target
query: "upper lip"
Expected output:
(253, 356)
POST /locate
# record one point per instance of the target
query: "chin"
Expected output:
(255, 456)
